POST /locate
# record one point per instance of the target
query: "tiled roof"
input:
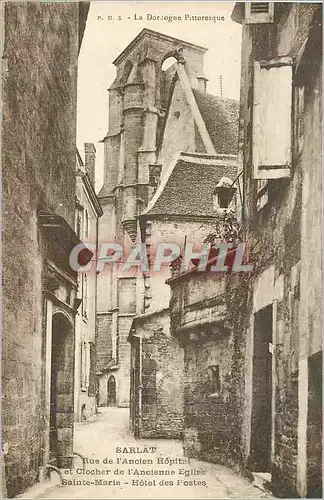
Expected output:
(221, 117)
(188, 189)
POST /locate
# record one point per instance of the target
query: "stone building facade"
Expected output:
(195, 157)
(138, 114)
(156, 409)
(252, 341)
(184, 220)
(279, 345)
(199, 321)
(39, 84)
(87, 213)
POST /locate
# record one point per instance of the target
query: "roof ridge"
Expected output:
(202, 92)
(164, 181)
(147, 31)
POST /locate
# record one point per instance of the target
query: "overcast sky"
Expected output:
(106, 36)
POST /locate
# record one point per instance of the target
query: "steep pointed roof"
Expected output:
(221, 118)
(216, 118)
(187, 187)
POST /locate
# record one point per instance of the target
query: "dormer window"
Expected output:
(224, 195)
(224, 198)
(259, 12)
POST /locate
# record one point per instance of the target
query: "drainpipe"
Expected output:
(96, 319)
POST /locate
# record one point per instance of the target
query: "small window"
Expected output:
(84, 295)
(92, 369)
(86, 224)
(154, 174)
(78, 222)
(83, 366)
(224, 195)
(259, 7)
(259, 12)
(224, 198)
(215, 381)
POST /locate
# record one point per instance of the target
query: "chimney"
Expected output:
(90, 160)
(202, 83)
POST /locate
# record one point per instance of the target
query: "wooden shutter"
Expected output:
(87, 364)
(259, 12)
(271, 131)
(92, 374)
(84, 295)
(83, 366)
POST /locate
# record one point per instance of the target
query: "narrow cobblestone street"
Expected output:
(98, 439)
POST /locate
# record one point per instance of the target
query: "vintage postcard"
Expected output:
(162, 249)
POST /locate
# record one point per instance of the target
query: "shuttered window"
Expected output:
(271, 130)
(92, 373)
(83, 366)
(259, 7)
(259, 12)
(87, 366)
(84, 295)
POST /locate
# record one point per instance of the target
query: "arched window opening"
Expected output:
(168, 62)
(127, 70)
(168, 70)
(111, 391)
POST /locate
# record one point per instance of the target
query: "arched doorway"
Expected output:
(62, 389)
(111, 391)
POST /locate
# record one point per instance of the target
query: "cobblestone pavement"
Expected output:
(97, 440)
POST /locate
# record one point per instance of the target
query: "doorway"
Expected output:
(111, 391)
(61, 392)
(260, 449)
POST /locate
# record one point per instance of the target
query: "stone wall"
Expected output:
(206, 423)
(162, 379)
(277, 239)
(104, 341)
(157, 372)
(199, 320)
(38, 158)
(172, 231)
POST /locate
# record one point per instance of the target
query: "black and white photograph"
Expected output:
(162, 220)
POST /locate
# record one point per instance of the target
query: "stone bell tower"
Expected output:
(136, 100)
(137, 103)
